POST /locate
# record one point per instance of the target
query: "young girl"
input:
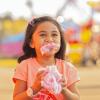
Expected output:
(44, 46)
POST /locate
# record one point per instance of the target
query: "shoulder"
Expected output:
(21, 71)
(67, 64)
(70, 67)
(23, 64)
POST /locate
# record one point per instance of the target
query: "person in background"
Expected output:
(43, 61)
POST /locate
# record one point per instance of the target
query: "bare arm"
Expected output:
(20, 91)
(71, 93)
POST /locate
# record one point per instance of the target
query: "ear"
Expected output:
(32, 44)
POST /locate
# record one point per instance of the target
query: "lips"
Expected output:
(48, 47)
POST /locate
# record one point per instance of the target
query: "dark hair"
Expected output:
(32, 25)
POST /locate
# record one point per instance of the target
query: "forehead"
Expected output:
(47, 25)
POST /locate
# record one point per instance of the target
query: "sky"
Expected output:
(19, 8)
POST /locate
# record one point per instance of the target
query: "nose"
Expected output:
(49, 38)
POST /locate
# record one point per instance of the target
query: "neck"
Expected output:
(45, 61)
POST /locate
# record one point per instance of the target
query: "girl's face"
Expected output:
(45, 33)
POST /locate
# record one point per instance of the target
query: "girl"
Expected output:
(42, 32)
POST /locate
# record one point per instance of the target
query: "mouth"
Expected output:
(49, 47)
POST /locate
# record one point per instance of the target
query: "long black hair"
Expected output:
(32, 25)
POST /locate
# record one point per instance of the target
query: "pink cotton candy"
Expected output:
(52, 80)
(48, 47)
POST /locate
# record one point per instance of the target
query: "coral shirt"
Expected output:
(28, 68)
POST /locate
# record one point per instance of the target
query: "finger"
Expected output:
(63, 81)
(63, 78)
(41, 74)
(41, 71)
(63, 84)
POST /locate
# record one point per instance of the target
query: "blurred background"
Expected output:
(80, 20)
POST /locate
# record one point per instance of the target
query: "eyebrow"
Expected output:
(41, 31)
(46, 31)
(54, 31)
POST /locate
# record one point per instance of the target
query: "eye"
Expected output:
(55, 33)
(42, 34)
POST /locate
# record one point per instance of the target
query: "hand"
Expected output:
(63, 82)
(37, 82)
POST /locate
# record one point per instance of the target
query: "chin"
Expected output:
(49, 54)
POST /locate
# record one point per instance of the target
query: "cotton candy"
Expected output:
(52, 80)
(48, 47)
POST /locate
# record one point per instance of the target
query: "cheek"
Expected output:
(58, 41)
(59, 46)
(38, 44)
